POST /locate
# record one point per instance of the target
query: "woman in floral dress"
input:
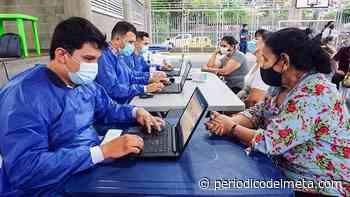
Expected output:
(302, 123)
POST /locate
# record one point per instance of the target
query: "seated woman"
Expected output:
(302, 123)
(255, 88)
(232, 66)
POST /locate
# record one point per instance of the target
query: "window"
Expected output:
(138, 12)
(108, 7)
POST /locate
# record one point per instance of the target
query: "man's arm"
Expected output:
(136, 77)
(116, 87)
(108, 111)
(29, 161)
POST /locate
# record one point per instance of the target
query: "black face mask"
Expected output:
(270, 76)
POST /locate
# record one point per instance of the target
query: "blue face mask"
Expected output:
(87, 73)
(128, 49)
(144, 50)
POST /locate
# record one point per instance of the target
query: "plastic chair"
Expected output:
(20, 19)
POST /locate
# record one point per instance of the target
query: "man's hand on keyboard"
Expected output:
(121, 146)
(149, 121)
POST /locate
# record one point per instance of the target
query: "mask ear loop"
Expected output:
(282, 58)
(276, 62)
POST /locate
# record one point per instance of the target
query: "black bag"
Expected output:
(10, 46)
(337, 78)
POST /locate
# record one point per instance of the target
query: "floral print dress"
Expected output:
(308, 135)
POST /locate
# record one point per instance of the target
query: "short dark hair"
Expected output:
(72, 33)
(329, 23)
(309, 31)
(230, 40)
(260, 32)
(122, 28)
(141, 35)
(304, 53)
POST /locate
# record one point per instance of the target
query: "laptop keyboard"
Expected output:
(171, 88)
(158, 141)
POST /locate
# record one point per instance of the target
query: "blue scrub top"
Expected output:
(47, 130)
(117, 78)
(137, 63)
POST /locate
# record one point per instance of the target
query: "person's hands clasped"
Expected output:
(147, 120)
(220, 124)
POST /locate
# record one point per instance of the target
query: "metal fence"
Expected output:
(194, 29)
(200, 29)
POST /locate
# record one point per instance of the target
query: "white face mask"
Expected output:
(224, 51)
(87, 73)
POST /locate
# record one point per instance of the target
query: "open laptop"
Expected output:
(176, 72)
(176, 88)
(172, 140)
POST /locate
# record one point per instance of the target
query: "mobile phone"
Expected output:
(146, 95)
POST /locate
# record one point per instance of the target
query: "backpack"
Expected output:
(10, 45)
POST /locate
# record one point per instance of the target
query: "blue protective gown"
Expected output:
(46, 130)
(137, 63)
(130, 62)
(117, 78)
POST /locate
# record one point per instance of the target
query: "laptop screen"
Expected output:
(185, 75)
(179, 64)
(191, 116)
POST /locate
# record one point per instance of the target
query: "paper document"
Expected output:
(111, 134)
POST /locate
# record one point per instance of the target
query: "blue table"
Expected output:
(205, 157)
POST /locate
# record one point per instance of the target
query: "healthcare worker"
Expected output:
(47, 113)
(120, 82)
(140, 59)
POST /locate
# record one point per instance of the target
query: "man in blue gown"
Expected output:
(47, 115)
(120, 81)
(140, 59)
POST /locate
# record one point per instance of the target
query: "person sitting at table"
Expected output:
(47, 115)
(139, 59)
(302, 123)
(120, 82)
(232, 66)
(255, 88)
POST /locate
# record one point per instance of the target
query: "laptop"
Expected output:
(176, 88)
(176, 72)
(172, 140)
